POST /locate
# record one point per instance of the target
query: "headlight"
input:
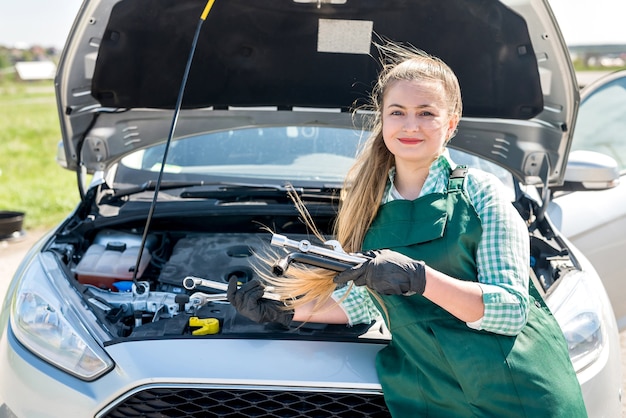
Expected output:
(577, 307)
(43, 320)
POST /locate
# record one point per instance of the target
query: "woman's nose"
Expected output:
(411, 124)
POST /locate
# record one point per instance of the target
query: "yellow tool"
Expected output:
(208, 326)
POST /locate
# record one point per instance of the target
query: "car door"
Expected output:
(595, 221)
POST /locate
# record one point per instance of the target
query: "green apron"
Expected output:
(435, 365)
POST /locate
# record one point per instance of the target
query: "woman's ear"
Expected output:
(453, 123)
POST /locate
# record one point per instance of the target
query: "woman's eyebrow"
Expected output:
(420, 106)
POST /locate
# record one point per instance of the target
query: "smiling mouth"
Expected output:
(410, 141)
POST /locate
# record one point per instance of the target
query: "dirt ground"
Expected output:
(12, 251)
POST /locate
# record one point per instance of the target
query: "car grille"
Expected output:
(186, 402)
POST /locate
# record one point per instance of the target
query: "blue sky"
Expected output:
(36, 22)
(47, 22)
(591, 22)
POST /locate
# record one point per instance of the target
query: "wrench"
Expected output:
(190, 283)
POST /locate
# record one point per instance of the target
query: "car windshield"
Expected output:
(284, 153)
(279, 154)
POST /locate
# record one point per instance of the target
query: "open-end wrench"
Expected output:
(191, 282)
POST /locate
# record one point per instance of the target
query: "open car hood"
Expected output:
(123, 64)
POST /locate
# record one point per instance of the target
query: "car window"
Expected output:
(282, 153)
(601, 123)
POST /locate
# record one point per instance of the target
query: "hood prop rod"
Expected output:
(179, 102)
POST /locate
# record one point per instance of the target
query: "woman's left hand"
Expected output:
(387, 272)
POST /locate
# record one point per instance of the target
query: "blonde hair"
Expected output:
(366, 180)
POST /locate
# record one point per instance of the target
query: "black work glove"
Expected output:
(387, 272)
(248, 300)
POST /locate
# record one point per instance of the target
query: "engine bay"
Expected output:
(180, 286)
(169, 296)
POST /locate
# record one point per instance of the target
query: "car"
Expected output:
(192, 127)
(594, 219)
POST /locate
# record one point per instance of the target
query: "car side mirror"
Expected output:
(589, 170)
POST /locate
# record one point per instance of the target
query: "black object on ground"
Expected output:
(11, 224)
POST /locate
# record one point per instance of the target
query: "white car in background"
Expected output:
(595, 220)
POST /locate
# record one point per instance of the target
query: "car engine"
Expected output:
(180, 286)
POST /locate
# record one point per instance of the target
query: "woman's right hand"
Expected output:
(249, 301)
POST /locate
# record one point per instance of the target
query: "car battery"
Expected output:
(111, 258)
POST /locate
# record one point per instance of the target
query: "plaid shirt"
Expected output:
(502, 257)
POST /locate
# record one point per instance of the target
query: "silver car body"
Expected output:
(595, 220)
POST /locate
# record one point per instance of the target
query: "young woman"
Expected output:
(449, 267)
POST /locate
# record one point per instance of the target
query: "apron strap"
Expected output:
(457, 178)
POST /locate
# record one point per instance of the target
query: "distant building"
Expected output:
(35, 70)
(608, 56)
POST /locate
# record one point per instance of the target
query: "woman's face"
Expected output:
(415, 120)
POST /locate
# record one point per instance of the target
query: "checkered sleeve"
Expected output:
(357, 304)
(503, 256)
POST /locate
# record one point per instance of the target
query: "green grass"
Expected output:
(30, 179)
(578, 66)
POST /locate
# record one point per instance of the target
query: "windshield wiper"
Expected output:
(147, 186)
(226, 191)
(234, 192)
